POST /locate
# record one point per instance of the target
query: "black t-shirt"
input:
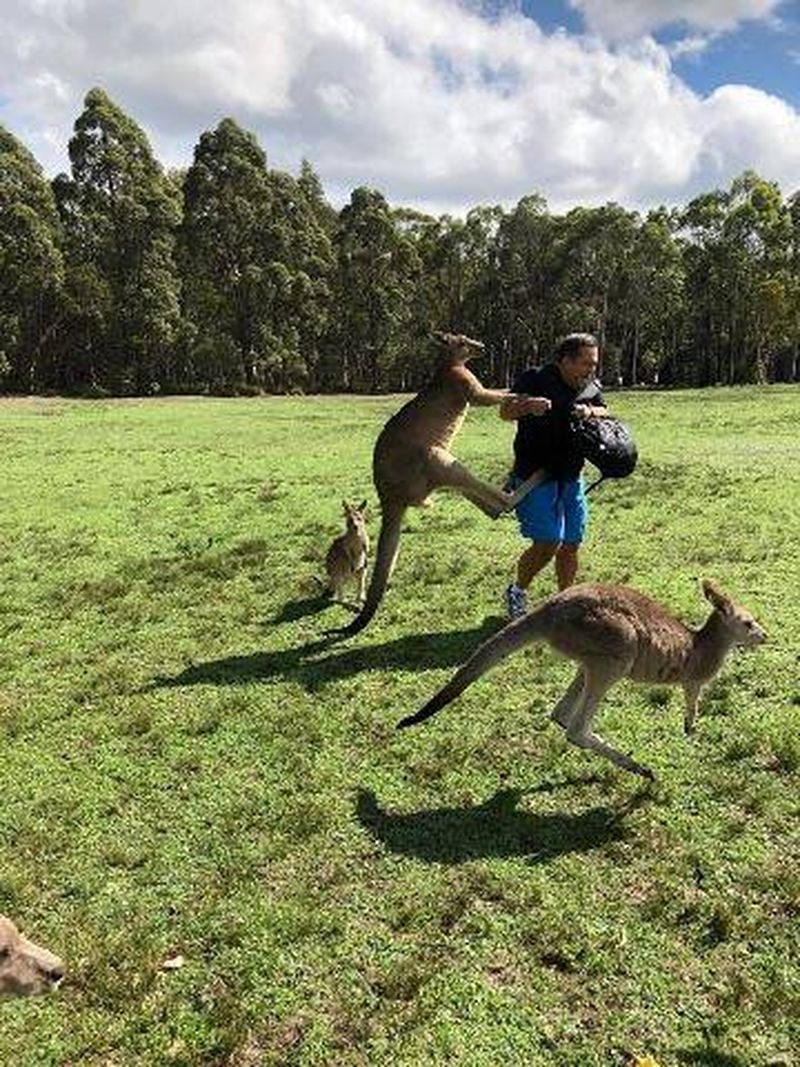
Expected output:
(545, 440)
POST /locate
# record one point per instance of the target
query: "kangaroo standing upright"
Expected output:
(412, 458)
(346, 559)
(613, 632)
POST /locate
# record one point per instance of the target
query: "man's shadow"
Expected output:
(495, 828)
(309, 665)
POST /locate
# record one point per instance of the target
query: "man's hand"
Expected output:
(586, 411)
(517, 405)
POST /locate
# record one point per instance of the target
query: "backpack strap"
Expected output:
(594, 484)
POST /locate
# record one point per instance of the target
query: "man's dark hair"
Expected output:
(573, 343)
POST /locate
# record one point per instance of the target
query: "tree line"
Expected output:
(231, 277)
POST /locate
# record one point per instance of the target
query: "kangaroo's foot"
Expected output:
(593, 741)
(525, 487)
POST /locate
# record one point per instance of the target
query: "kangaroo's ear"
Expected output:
(715, 596)
(440, 337)
(346, 507)
(362, 506)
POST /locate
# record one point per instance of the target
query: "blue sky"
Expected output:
(442, 104)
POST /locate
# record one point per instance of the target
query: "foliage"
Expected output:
(31, 266)
(119, 214)
(272, 290)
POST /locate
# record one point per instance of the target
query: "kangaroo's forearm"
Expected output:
(488, 398)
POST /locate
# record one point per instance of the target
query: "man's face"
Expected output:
(580, 369)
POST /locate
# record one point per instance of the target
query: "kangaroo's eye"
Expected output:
(5, 952)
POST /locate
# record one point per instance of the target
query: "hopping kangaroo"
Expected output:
(347, 557)
(412, 458)
(25, 967)
(613, 632)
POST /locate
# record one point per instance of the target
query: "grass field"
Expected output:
(189, 769)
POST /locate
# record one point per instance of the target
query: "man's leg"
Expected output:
(540, 523)
(533, 559)
(576, 515)
(566, 564)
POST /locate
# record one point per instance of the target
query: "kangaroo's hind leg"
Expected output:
(598, 680)
(448, 472)
(564, 710)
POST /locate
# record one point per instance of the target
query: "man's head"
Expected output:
(576, 358)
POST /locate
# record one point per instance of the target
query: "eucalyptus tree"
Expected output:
(119, 214)
(738, 278)
(222, 253)
(651, 310)
(311, 189)
(256, 259)
(299, 255)
(594, 250)
(526, 284)
(376, 276)
(31, 267)
(793, 348)
(760, 224)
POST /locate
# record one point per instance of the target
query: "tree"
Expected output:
(376, 277)
(31, 266)
(256, 258)
(119, 214)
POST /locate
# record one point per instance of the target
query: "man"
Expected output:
(553, 515)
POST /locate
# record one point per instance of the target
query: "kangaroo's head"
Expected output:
(744, 629)
(25, 968)
(355, 516)
(457, 347)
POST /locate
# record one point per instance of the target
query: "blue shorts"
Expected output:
(555, 511)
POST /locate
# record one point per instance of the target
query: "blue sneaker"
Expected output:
(516, 602)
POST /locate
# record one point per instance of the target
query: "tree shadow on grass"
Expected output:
(307, 665)
(495, 828)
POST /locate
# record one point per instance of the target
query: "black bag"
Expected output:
(607, 443)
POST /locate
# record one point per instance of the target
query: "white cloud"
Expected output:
(628, 19)
(689, 46)
(742, 125)
(427, 100)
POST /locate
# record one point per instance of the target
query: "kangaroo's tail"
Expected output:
(513, 636)
(385, 558)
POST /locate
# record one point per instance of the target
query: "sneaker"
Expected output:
(516, 602)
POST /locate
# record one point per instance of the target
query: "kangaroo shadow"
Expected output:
(304, 663)
(302, 608)
(708, 1057)
(495, 828)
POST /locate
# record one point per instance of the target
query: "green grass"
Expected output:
(188, 768)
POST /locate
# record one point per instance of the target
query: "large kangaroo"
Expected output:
(412, 458)
(24, 966)
(613, 632)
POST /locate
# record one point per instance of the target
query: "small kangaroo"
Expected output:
(25, 967)
(613, 632)
(346, 559)
(412, 458)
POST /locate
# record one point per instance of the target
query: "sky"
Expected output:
(440, 104)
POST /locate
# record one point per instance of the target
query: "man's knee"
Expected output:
(566, 550)
(544, 549)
